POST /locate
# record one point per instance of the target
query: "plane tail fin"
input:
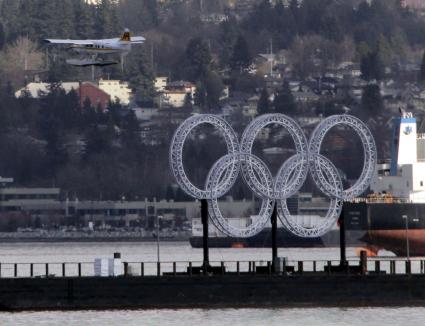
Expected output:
(126, 36)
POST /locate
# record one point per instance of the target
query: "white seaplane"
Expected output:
(94, 48)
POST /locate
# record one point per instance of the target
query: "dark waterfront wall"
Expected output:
(217, 291)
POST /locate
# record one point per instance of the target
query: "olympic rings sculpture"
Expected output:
(289, 179)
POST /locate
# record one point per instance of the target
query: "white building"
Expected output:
(35, 89)
(117, 90)
(160, 84)
(176, 93)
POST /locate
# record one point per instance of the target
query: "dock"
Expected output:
(153, 285)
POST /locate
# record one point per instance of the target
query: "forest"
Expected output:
(94, 154)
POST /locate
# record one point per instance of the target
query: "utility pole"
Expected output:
(406, 218)
(271, 57)
(157, 238)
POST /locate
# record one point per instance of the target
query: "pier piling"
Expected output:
(342, 242)
(274, 239)
(204, 218)
(363, 262)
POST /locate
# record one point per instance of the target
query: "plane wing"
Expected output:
(68, 41)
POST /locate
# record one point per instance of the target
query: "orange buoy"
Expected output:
(371, 252)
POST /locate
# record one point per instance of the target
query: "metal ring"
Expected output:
(212, 185)
(370, 156)
(301, 147)
(318, 229)
(176, 151)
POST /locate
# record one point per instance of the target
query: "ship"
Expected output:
(391, 217)
(307, 208)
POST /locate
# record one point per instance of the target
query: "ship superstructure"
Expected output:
(404, 176)
(394, 214)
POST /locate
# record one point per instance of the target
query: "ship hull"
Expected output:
(373, 226)
(384, 227)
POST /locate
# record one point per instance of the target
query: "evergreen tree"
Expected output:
(198, 58)
(65, 16)
(46, 22)
(200, 95)
(331, 29)
(372, 102)
(372, 67)
(284, 100)
(228, 36)
(263, 105)
(213, 88)
(130, 136)
(106, 19)
(27, 13)
(384, 51)
(138, 15)
(56, 153)
(241, 57)
(188, 100)
(84, 24)
(97, 141)
(9, 13)
(138, 72)
(260, 16)
(2, 37)
(422, 71)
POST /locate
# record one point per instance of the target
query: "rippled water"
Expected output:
(234, 317)
(76, 252)
(147, 251)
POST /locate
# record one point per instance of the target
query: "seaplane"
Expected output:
(92, 51)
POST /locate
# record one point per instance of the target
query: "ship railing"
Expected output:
(375, 265)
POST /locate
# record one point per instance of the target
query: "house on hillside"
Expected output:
(97, 97)
(176, 93)
(118, 90)
(305, 95)
(160, 83)
(98, 93)
(36, 89)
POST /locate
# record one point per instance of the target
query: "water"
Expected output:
(141, 252)
(147, 251)
(233, 317)
(76, 252)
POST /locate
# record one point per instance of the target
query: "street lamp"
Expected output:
(407, 237)
(158, 217)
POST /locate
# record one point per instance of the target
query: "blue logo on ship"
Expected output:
(408, 130)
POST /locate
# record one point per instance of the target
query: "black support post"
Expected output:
(342, 243)
(204, 217)
(274, 238)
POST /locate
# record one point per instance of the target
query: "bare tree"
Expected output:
(19, 58)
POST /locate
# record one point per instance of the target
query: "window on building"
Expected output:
(422, 183)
